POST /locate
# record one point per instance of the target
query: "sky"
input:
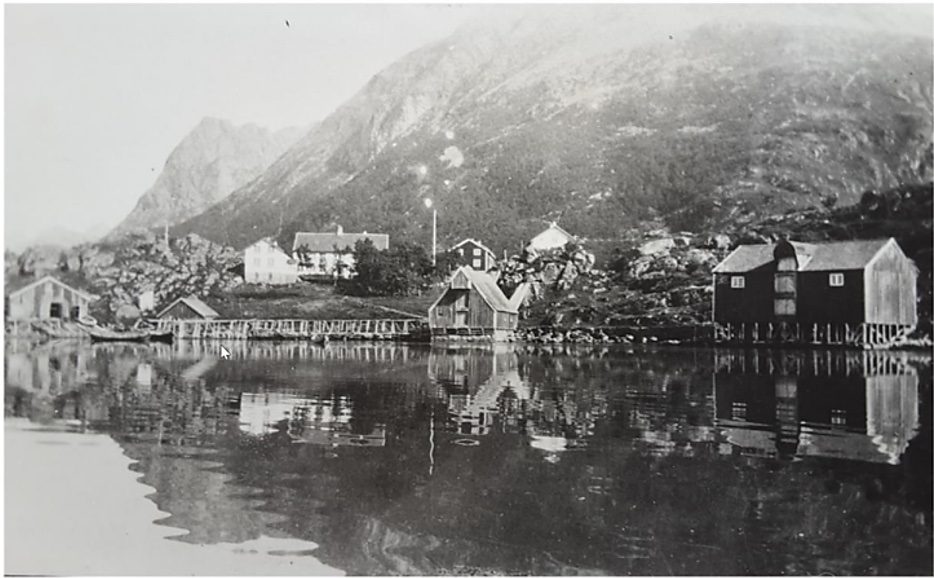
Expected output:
(97, 96)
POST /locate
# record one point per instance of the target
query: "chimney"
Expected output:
(340, 230)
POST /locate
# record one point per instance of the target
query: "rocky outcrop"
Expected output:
(118, 272)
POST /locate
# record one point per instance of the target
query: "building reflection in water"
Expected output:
(853, 405)
(485, 392)
(307, 419)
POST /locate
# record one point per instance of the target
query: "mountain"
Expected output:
(605, 118)
(213, 160)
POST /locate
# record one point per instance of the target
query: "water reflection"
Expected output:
(855, 405)
(421, 460)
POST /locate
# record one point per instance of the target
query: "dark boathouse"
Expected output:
(856, 293)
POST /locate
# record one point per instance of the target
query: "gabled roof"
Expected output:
(17, 285)
(477, 243)
(554, 225)
(837, 256)
(271, 242)
(197, 305)
(487, 288)
(344, 242)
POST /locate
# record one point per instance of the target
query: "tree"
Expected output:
(404, 269)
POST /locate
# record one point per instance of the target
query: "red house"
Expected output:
(474, 254)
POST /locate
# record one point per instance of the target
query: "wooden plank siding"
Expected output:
(36, 302)
(180, 311)
(818, 302)
(479, 313)
(890, 294)
(751, 304)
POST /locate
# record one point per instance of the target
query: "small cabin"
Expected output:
(474, 254)
(858, 293)
(45, 298)
(188, 308)
(473, 305)
(552, 238)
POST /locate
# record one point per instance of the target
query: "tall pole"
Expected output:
(434, 237)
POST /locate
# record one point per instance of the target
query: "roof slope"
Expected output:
(838, 256)
(475, 242)
(14, 285)
(485, 285)
(197, 305)
(326, 242)
(488, 289)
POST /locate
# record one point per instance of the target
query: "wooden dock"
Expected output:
(340, 329)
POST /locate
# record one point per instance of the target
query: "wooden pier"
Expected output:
(861, 335)
(343, 329)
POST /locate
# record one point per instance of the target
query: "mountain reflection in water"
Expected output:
(518, 459)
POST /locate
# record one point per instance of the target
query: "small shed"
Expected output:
(852, 292)
(188, 308)
(45, 298)
(474, 254)
(473, 305)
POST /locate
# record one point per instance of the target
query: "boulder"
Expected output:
(657, 246)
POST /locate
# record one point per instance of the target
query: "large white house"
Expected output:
(331, 254)
(265, 262)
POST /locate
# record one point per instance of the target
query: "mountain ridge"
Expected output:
(510, 128)
(211, 161)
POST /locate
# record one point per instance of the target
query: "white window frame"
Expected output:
(478, 263)
(477, 252)
(836, 279)
(737, 282)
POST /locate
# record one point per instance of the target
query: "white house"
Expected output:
(554, 237)
(331, 254)
(265, 262)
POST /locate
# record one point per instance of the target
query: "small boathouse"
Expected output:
(474, 307)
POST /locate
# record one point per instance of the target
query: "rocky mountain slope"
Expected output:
(213, 160)
(603, 119)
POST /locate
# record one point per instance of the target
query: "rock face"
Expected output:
(606, 118)
(213, 160)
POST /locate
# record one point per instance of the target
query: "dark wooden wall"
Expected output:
(818, 302)
(752, 304)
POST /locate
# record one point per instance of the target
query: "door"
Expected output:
(461, 309)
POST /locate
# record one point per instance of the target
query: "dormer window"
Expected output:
(737, 282)
(836, 279)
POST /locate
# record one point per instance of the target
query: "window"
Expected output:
(460, 252)
(477, 252)
(75, 312)
(478, 263)
(737, 282)
(836, 279)
(55, 311)
(269, 277)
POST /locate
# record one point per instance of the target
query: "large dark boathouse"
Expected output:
(856, 293)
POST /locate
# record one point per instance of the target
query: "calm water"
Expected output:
(518, 460)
